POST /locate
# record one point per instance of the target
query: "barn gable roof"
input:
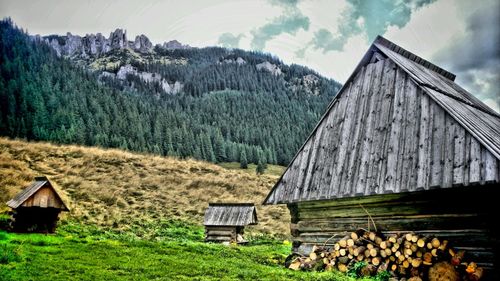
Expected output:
(479, 120)
(414, 86)
(230, 214)
(25, 194)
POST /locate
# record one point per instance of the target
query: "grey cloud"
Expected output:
(376, 16)
(284, 24)
(284, 3)
(230, 40)
(475, 56)
(291, 21)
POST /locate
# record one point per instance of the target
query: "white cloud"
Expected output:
(430, 28)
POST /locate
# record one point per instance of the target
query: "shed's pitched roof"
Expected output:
(230, 214)
(25, 194)
(402, 148)
(479, 119)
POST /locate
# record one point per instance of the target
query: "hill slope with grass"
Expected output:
(132, 192)
(139, 217)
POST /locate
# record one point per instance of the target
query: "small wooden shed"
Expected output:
(403, 142)
(225, 222)
(37, 207)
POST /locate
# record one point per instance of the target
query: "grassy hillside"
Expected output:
(139, 217)
(133, 192)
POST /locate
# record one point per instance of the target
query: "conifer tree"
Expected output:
(243, 159)
(260, 168)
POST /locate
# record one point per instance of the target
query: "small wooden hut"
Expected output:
(404, 143)
(225, 222)
(37, 207)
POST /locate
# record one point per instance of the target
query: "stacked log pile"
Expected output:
(405, 256)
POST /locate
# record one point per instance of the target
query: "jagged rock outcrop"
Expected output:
(118, 39)
(73, 44)
(274, 69)
(308, 84)
(148, 77)
(142, 44)
(96, 44)
(174, 44)
(238, 61)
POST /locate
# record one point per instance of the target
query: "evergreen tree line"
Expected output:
(43, 97)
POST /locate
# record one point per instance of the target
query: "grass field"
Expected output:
(89, 253)
(272, 170)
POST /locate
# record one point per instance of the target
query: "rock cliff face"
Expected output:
(274, 69)
(148, 77)
(118, 39)
(142, 44)
(96, 44)
(174, 44)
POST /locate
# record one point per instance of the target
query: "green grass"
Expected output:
(80, 252)
(274, 170)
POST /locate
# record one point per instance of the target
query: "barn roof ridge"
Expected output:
(411, 56)
(438, 84)
(230, 204)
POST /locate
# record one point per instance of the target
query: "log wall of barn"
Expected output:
(220, 233)
(464, 216)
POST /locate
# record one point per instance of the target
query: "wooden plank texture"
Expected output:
(385, 133)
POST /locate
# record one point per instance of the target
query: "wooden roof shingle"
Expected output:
(479, 119)
(230, 214)
(399, 124)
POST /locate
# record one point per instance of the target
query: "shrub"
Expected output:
(4, 222)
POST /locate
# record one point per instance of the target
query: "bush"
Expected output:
(4, 222)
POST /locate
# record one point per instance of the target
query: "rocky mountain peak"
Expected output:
(174, 44)
(142, 44)
(96, 44)
(118, 39)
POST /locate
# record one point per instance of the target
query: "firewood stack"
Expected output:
(402, 255)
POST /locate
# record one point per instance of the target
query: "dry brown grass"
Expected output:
(110, 187)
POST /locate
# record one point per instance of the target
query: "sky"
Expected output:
(328, 36)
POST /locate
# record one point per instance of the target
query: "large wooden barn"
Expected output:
(37, 207)
(404, 143)
(225, 222)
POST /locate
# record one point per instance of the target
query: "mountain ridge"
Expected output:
(97, 44)
(212, 104)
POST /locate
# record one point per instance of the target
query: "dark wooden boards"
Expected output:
(220, 234)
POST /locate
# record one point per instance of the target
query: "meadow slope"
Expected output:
(123, 190)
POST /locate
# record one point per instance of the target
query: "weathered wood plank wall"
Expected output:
(45, 197)
(220, 233)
